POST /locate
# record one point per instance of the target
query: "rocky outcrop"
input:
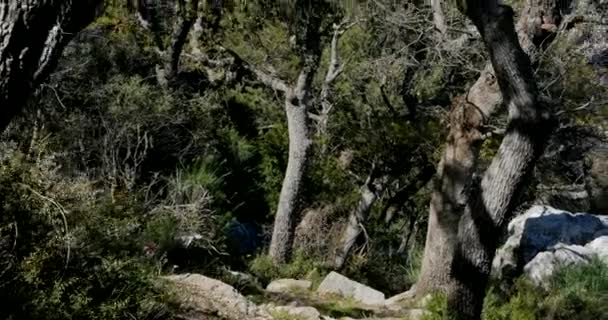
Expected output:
(552, 232)
(546, 263)
(201, 296)
(338, 284)
(288, 285)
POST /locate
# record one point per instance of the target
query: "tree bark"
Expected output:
(185, 18)
(439, 17)
(297, 107)
(486, 97)
(491, 207)
(34, 34)
(449, 195)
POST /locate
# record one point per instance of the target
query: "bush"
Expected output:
(575, 292)
(300, 267)
(69, 253)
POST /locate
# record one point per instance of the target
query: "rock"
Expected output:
(335, 283)
(287, 285)
(599, 246)
(411, 314)
(546, 263)
(243, 282)
(204, 295)
(303, 313)
(540, 229)
(395, 301)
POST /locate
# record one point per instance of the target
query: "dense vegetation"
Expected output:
(111, 177)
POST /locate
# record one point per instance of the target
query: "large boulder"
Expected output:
(335, 283)
(288, 285)
(202, 296)
(544, 264)
(544, 228)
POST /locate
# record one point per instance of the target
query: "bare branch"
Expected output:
(334, 70)
(270, 80)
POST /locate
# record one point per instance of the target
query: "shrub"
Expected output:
(69, 253)
(301, 266)
(574, 292)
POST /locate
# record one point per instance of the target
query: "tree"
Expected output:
(467, 215)
(34, 35)
(310, 32)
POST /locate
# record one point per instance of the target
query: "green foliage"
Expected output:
(300, 267)
(67, 255)
(574, 292)
(437, 308)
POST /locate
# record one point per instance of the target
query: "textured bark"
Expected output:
(33, 35)
(484, 98)
(297, 106)
(185, 18)
(449, 195)
(309, 41)
(491, 206)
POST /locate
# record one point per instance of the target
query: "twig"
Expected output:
(62, 211)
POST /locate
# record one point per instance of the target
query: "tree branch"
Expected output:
(271, 81)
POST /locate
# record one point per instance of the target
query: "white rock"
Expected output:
(540, 229)
(547, 262)
(599, 246)
(304, 313)
(287, 285)
(336, 283)
(205, 295)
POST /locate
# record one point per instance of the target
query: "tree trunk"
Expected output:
(438, 17)
(290, 200)
(356, 220)
(449, 197)
(185, 18)
(486, 97)
(34, 34)
(491, 207)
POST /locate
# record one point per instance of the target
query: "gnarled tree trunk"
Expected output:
(490, 206)
(483, 99)
(34, 34)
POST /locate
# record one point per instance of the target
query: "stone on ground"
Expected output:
(202, 295)
(303, 313)
(546, 263)
(335, 283)
(288, 285)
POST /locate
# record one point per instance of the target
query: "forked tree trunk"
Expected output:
(34, 34)
(490, 206)
(484, 96)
